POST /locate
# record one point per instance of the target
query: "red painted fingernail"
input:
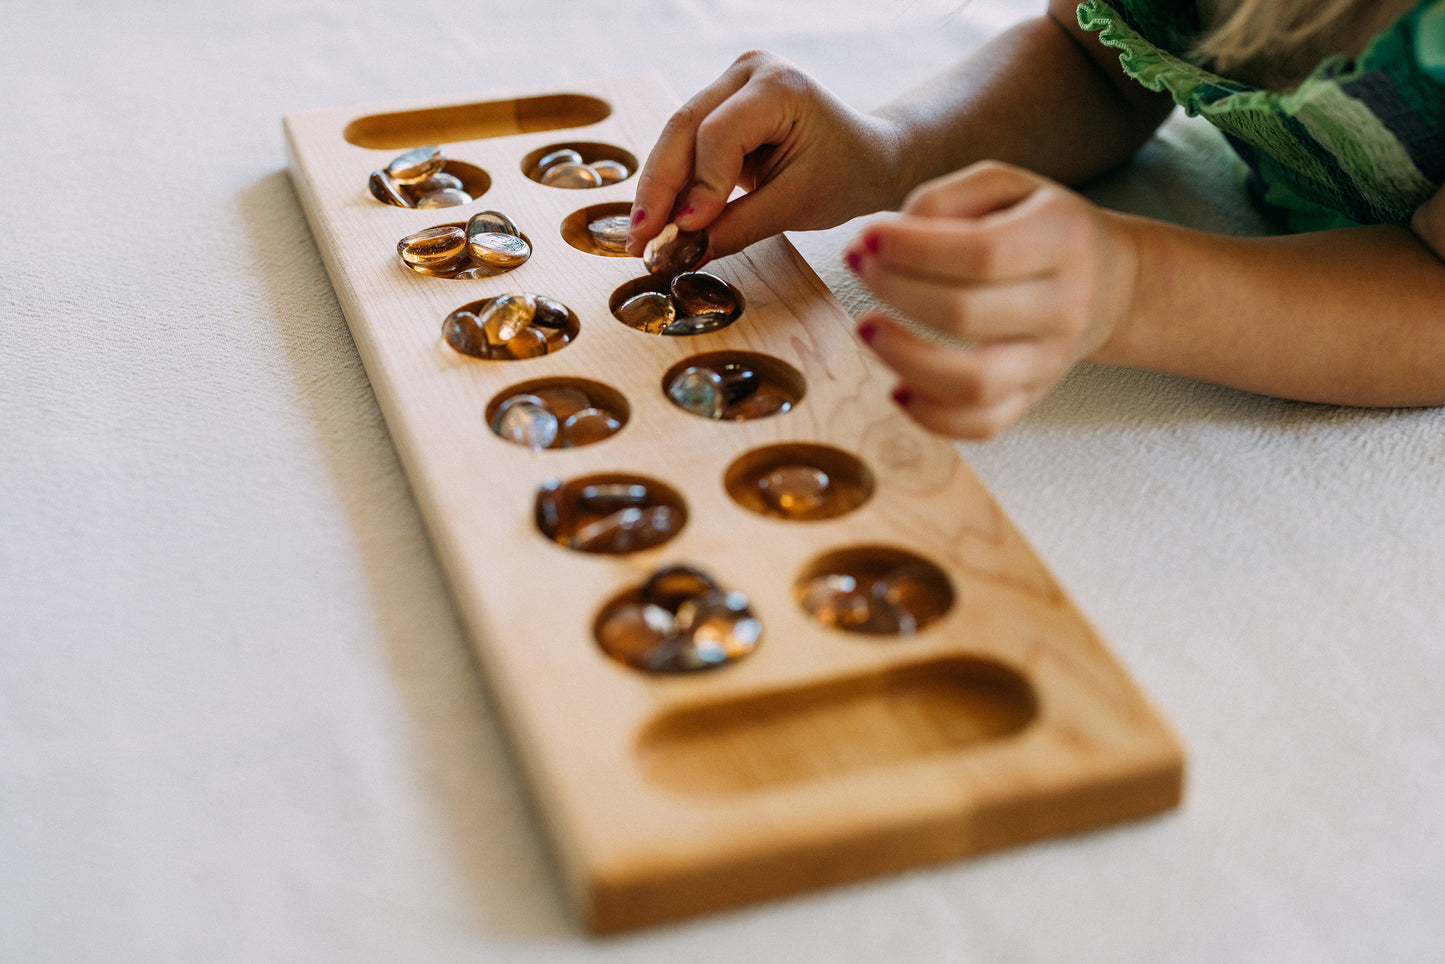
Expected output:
(867, 331)
(851, 259)
(870, 242)
(902, 396)
(684, 212)
(638, 217)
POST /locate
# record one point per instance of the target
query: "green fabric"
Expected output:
(1358, 142)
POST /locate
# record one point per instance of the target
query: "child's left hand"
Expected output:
(1032, 275)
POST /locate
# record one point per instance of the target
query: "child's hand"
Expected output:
(1032, 275)
(809, 160)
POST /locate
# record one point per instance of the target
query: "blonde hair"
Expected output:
(1263, 28)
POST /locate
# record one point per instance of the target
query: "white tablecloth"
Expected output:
(239, 720)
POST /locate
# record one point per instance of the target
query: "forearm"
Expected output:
(1043, 95)
(1352, 316)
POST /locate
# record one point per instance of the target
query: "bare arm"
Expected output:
(1352, 316)
(1043, 95)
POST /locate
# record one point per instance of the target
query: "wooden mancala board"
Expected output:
(823, 755)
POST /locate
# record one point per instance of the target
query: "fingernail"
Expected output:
(902, 396)
(867, 331)
(870, 242)
(638, 217)
(851, 259)
(685, 212)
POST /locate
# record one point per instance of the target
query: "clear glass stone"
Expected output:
(700, 391)
(572, 176)
(795, 490)
(610, 233)
(588, 425)
(525, 420)
(445, 198)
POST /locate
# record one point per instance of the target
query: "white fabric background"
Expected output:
(238, 719)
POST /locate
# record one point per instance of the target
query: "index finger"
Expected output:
(668, 169)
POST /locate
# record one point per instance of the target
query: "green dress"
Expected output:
(1358, 142)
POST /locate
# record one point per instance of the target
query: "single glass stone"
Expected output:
(553, 510)
(795, 490)
(571, 176)
(612, 496)
(837, 600)
(527, 343)
(700, 391)
(739, 380)
(631, 630)
(768, 400)
(704, 295)
(477, 271)
(445, 198)
(440, 249)
(387, 191)
(720, 626)
(587, 426)
(650, 311)
(626, 530)
(498, 250)
(695, 324)
(525, 419)
(918, 591)
(550, 313)
(438, 181)
(416, 165)
(463, 331)
(506, 316)
(563, 155)
(491, 222)
(673, 251)
(610, 233)
(671, 586)
(561, 400)
(610, 172)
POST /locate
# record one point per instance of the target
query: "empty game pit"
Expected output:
(877, 591)
(475, 121)
(575, 231)
(557, 413)
(812, 732)
(615, 164)
(609, 513)
(747, 385)
(800, 482)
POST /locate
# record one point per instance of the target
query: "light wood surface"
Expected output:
(822, 757)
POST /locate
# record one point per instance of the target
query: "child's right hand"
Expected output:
(807, 160)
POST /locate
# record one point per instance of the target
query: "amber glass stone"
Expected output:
(674, 251)
(795, 490)
(493, 222)
(416, 165)
(388, 191)
(703, 295)
(610, 172)
(649, 311)
(498, 250)
(462, 330)
(441, 249)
